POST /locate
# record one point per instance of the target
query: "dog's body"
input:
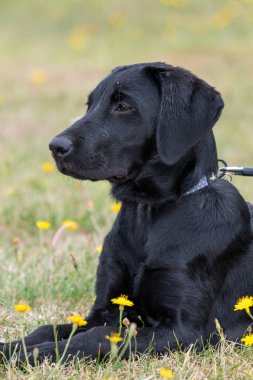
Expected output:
(181, 250)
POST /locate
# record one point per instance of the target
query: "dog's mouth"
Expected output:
(72, 174)
(93, 174)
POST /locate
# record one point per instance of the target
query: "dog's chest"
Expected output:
(133, 228)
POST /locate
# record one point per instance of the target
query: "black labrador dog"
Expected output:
(181, 246)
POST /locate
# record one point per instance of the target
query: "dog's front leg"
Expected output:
(93, 344)
(84, 345)
(46, 333)
(49, 333)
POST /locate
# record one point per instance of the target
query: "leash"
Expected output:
(246, 171)
(238, 170)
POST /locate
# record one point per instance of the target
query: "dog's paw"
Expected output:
(37, 354)
(33, 355)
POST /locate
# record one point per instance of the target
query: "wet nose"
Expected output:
(60, 146)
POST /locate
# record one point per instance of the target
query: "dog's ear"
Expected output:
(189, 109)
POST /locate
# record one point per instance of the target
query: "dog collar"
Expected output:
(203, 182)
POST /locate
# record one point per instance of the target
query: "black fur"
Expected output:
(183, 260)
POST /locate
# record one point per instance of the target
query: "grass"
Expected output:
(75, 43)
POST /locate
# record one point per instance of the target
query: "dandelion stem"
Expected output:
(56, 343)
(23, 344)
(128, 341)
(74, 328)
(114, 350)
(121, 309)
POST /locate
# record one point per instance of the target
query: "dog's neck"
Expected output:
(158, 183)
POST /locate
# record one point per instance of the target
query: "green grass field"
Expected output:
(52, 54)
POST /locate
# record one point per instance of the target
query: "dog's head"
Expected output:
(137, 111)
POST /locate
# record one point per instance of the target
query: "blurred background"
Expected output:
(52, 55)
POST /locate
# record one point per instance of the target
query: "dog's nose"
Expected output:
(60, 146)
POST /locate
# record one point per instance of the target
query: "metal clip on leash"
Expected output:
(238, 170)
(223, 173)
(234, 170)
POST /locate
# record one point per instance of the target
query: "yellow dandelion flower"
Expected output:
(22, 308)
(99, 248)
(115, 207)
(248, 340)
(117, 19)
(114, 338)
(10, 191)
(47, 167)
(166, 373)
(78, 38)
(43, 225)
(244, 303)
(38, 77)
(77, 319)
(222, 19)
(70, 224)
(122, 301)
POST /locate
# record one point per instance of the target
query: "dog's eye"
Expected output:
(122, 107)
